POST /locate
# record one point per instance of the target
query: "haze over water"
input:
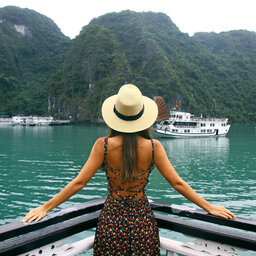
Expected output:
(36, 162)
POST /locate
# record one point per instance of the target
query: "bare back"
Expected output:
(113, 167)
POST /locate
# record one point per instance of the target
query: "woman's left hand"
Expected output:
(221, 212)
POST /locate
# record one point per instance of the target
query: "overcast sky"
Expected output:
(189, 15)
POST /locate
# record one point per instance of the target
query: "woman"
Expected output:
(127, 225)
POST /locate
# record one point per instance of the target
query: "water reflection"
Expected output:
(19, 130)
(192, 155)
(200, 145)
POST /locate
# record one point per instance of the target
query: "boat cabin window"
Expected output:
(202, 124)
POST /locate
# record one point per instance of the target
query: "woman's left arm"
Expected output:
(165, 167)
(93, 163)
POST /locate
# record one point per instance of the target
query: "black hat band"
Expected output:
(129, 118)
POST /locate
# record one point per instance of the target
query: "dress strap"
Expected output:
(153, 152)
(105, 150)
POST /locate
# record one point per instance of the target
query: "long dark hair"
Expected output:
(130, 152)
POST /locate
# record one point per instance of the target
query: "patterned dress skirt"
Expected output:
(127, 228)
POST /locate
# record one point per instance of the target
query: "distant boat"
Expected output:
(6, 121)
(186, 125)
(36, 120)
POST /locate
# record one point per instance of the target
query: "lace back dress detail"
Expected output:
(131, 190)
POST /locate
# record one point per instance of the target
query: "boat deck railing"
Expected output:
(45, 237)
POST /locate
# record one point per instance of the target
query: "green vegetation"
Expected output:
(94, 68)
(32, 47)
(212, 74)
(235, 79)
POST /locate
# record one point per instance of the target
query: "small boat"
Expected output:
(6, 121)
(37, 121)
(185, 125)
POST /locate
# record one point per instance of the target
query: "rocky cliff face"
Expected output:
(31, 49)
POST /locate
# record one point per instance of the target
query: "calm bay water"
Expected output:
(36, 162)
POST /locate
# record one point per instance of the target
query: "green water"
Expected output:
(36, 162)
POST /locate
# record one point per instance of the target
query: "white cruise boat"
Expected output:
(182, 124)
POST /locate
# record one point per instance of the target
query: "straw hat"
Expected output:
(129, 111)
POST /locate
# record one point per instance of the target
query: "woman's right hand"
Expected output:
(35, 214)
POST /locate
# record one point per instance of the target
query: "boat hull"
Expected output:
(175, 132)
(168, 134)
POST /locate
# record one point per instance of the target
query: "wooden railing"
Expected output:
(18, 238)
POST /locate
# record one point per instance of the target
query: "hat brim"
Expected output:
(145, 121)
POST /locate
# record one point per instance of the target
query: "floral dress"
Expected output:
(126, 226)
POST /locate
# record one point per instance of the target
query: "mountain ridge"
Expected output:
(207, 73)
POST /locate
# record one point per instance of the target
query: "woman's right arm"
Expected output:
(165, 167)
